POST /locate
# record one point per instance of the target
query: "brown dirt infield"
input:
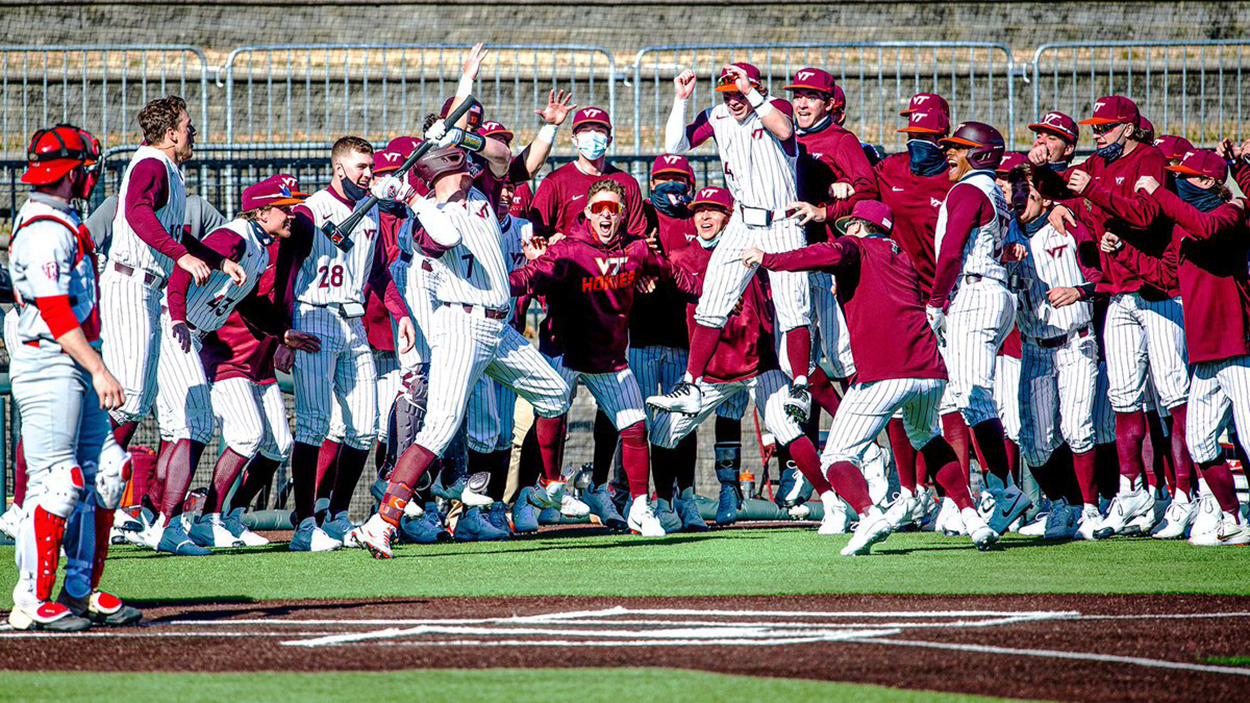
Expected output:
(917, 642)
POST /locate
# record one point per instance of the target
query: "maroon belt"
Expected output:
(148, 278)
(492, 314)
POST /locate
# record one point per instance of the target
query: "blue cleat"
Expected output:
(498, 516)
(310, 538)
(603, 506)
(176, 541)
(427, 529)
(339, 528)
(474, 527)
(667, 517)
(524, 512)
(688, 510)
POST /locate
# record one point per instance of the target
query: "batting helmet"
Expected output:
(985, 144)
(55, 152)
(439, 162)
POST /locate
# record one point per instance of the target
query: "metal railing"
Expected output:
(877, 77)
(322, 91)
(1193, 89)
(97, 87)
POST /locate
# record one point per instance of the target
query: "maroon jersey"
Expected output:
(879, 290)
(561, 197)
(590, 288)
(377, 318)
(827, 156)
(1011, 345)
(239, 350)
(522, 198)
(915, 201)
(746, 347)
(658, 318)
(486, 181)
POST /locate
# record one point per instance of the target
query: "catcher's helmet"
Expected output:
(985, 144)
(55, 152)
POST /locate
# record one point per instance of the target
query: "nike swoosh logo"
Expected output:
(1007, 511)
(577, 197)
(721, 117)
(896, 189)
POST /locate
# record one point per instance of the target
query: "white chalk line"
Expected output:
(850, 636)
(600, 623)
(139, 633)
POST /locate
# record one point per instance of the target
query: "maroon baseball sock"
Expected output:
(156, 487)
(229, 465)
(408, 470)
(1182, 462)
(183, 457)
(124, 432)
(1220, 480)
(955, 430)
(904, 454)
(988, 437)
(687, 457)
(1085, 465)
(1162, 465)
(1013, 458)
(947, 472)
(1130, 432)
(703, 343)
(550, 433)
(19, 476)
(327, 466)
(259, 472)
(635, 458)
(351, 466)
(850, 485)
(304, 479)
(663, 470)
(606, 440)
(822, 391)
(807, 459)
(799, 351)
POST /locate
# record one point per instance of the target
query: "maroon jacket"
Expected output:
(377, 317)
(827, 156)
(239, 350)
(561, 197)
(257, 310)
(878, 289)
(915, 201)
(590, 290)
(658, 318)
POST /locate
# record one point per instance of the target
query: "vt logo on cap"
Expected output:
(804, 75)
(671, 159)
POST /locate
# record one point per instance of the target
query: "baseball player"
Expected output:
(1211, 237)
(756, 140)
(970, 307)
(75, 472)
(1055, 140)
(878, 283)
(469, 334)
(329, 286)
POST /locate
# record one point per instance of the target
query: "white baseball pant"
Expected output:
(340, 374)
(617, 393)
(735, 406)
(492, 411)
(658, 369)
(769, 391)
(130, 330)
(1219, 393)
(1056, 397)
(386, 366)
(867, 408)
(463, 347)
(413, 283)
(1007, 394)
(835, 339)
(1146, 337)
(184, 404)
(253, 418)
(977, 324)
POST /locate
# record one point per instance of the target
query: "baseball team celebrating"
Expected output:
(1092, 319)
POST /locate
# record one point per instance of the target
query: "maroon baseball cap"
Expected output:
(404, 145)
(282, 189)
(1059, 124)
(813, 79)
(672, 163)
(591, 115)
(931, 122)
(1114, 109)
(1202, 162)
(387, 160)
(1173, 147)
(491, 128)
(873, 211)
(475, 113)
(1010, 161)
(927, 102)
(1146, 129)
(713, 197)
(839, 98)
(726, 82)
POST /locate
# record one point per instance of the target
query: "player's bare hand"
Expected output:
(653, 241)
(741, 81)
(1038, 155)
(195, 266)
(108, 389)
(473, 62)
(555, 238)
(558, 107)
(1110, 243)
(1146, 183)
(1229, 150)
(683, 84)
(1078, 181)
(284, 358)
(841, 191)
(303, 341)
(1062, 297)
(1013, 253)
(534, 248)
(1061, 218)
(237, 274)
(806, 212)
(752, 257)
(182, 335)
(407, 334)
(645, 284)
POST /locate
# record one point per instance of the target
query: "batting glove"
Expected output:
(436, 131)
(391, 188)
(453, 137)
(937, 323)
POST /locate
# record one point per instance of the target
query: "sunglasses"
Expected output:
(1103, 128)
(602, 206)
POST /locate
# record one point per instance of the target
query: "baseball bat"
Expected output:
(340, 234)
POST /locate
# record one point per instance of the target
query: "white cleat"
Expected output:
(982, 536)
(1126, 507)
(1145, 523)
(1176, 519)
(474, 493)
(642, 519)
(572, 507)
(948, 521)
(873, 528)
(1208, 516)
(836, 520)
(1088, 522)
(903, 510)
(550, 496)
(685, 398)
(1061, 522)
(1037, 528)
(1229, 533)
(375, 537)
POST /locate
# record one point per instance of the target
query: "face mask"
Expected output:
(592, 145)
(1201, 200)
(352, 191)
(1111, 152)
(821, 124)
(1058, 167)
(671, 198)
(262, 236)
(709, 244)
(1032, 228)
(927, 159)
(392, 207)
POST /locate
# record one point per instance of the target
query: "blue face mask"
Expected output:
(352, 191)
(927, 158)
(1201, 200)
(1058, 166)
(262, 236)
(592, 144)
(1111, 152)
(671, 198)
(709, 244)
(1032, 228)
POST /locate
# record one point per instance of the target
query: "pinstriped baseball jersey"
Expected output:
(980, 255)
(328, 274)
(209, 305)
(1051, 263)
(760, 170)
(474, 272)
(515, 233)
(47, 259)
(127, 247)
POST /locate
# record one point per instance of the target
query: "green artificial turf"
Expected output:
(722, 563)
(1228, 661)
(513, 685)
